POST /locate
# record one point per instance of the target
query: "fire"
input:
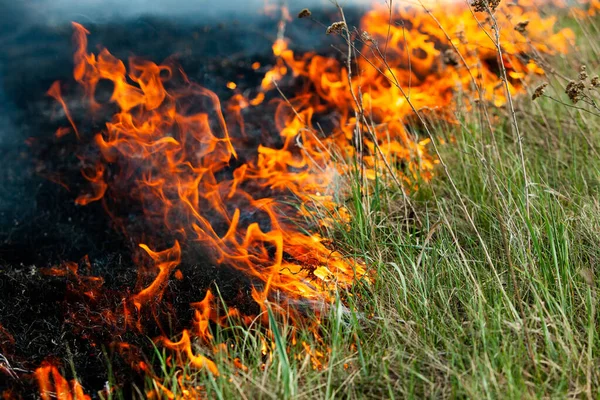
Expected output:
(173, 150)
(54, 386)
(422, 59)
(169, 157)
(184, 345)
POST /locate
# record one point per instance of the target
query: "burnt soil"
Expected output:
(45, 317)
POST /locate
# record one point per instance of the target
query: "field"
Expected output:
(490, 294)
(480, 256)
(484, 278)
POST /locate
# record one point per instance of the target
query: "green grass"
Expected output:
(503, 307)
(485, 298)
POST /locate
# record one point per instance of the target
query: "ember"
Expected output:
(197, 189)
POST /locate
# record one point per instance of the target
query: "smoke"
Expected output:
(33, 32)
(99, 11)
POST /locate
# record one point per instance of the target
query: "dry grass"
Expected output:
(493, 294)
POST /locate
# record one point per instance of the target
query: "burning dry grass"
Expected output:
(471, 279)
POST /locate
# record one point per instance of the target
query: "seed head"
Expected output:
(484, 5)
(575, 91)
(304, 13)
(450, 57)
(595, 82)
(336, 27)
(539, 91)
(366, 37)
(521, 27)
(583, 75)
(460, 35)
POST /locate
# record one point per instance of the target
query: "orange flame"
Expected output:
(54, 386)
(170, 149)
(182, 153)
(184, 346)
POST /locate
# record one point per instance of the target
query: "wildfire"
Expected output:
(54, 385)
(176, 152)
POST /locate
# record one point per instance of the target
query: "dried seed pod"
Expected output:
(583, 75)
(539, 91)
(595, 82)
(336, 27)
(304, 13)
(485, 5)
(366, 37)
(450, 57)
(575, 91)
(462, 37)
(521, 27)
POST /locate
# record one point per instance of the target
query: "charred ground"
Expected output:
(44, 317)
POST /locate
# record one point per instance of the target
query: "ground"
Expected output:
(482, 282)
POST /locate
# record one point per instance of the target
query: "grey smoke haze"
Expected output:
(18, 18)
(57, 11)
